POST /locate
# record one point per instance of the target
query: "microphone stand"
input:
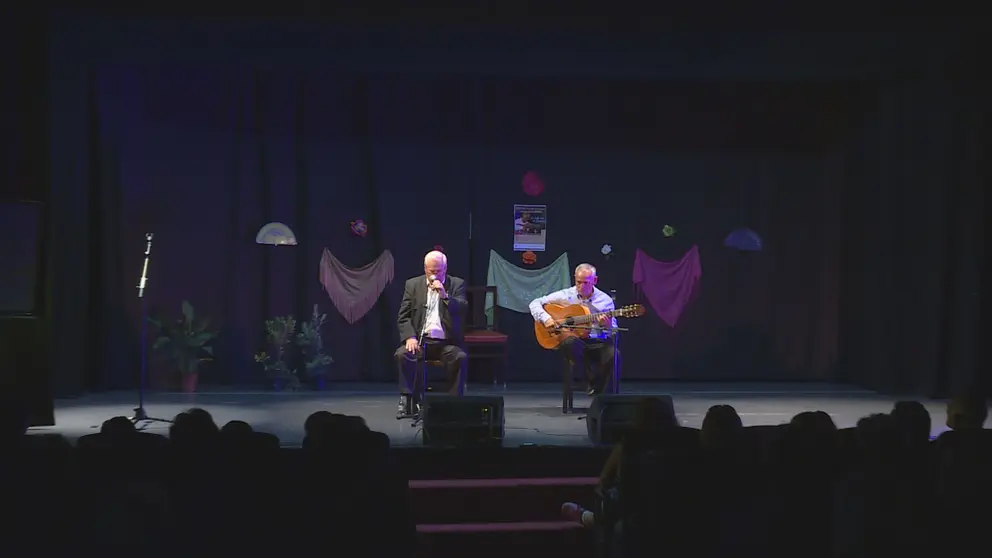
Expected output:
(139, 412)
(421, 386)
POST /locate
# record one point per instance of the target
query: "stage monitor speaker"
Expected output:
(470, 420)
(24, 342)
(611, 416)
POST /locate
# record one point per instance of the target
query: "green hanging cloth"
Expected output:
(518, 286)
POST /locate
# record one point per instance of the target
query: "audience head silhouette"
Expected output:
(238, 428)
(966, 413)
(721, 428)
(194, 428)
(117, 426)
(913, 422)
(808, 439)
(878, 436)
(323, 428)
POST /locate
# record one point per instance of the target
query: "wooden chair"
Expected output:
(483, 341)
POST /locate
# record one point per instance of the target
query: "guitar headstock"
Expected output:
(631, 311)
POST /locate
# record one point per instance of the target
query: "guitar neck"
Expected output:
(593, 317)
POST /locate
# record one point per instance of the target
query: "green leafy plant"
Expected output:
(185, 343)
(280, 333)
(311, 344)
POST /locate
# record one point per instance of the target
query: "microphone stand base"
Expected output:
(141, 416)
(417, 417)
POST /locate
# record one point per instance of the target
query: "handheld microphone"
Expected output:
(430, 285)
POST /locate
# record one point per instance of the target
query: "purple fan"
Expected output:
(743, 239)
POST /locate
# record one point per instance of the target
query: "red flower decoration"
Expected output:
(532, 183)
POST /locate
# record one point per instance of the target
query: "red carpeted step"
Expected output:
(496, 500)
(484, 540)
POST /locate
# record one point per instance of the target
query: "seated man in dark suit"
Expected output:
(430, 325)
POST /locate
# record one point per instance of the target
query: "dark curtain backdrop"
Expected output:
(204, 153)
(914, 231)
(203, 157)
(25, 367)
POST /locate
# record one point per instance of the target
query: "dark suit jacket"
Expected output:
(413, 309)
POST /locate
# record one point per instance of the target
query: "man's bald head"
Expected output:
(436, 257)
(585, 280)
(436, 263)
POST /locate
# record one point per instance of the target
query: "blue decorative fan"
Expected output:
(744, 240)
(276, 234)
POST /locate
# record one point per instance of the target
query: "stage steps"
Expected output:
(494, 517)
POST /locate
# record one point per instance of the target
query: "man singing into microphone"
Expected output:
(430, 324)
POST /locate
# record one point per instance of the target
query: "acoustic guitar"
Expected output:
(576, 315)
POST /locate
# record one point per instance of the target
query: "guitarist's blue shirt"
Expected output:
(598, 302)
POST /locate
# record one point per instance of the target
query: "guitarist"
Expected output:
(593, 355)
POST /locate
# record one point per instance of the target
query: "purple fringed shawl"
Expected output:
(355, 291)
(667, 286)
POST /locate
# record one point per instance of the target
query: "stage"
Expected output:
(533, 411)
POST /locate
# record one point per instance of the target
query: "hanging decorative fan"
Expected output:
(276, 234)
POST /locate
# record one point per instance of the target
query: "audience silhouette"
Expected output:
(882, 488)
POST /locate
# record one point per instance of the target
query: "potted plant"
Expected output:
(311, 344)
(185, 344)
(280, 333)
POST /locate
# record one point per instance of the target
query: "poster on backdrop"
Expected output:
(530, 228)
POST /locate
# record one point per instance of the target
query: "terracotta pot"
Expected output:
(189, 382)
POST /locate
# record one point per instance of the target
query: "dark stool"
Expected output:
(567, 387)
(419, 387)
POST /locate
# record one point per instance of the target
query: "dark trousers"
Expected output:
(453, 359)
(594, 357)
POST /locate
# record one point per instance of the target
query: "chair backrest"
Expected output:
(476, 317)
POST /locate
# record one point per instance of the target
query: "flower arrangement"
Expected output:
(185, 343)
(311, 343)
(280, 332)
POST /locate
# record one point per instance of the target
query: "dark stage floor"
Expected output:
(533, 412)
